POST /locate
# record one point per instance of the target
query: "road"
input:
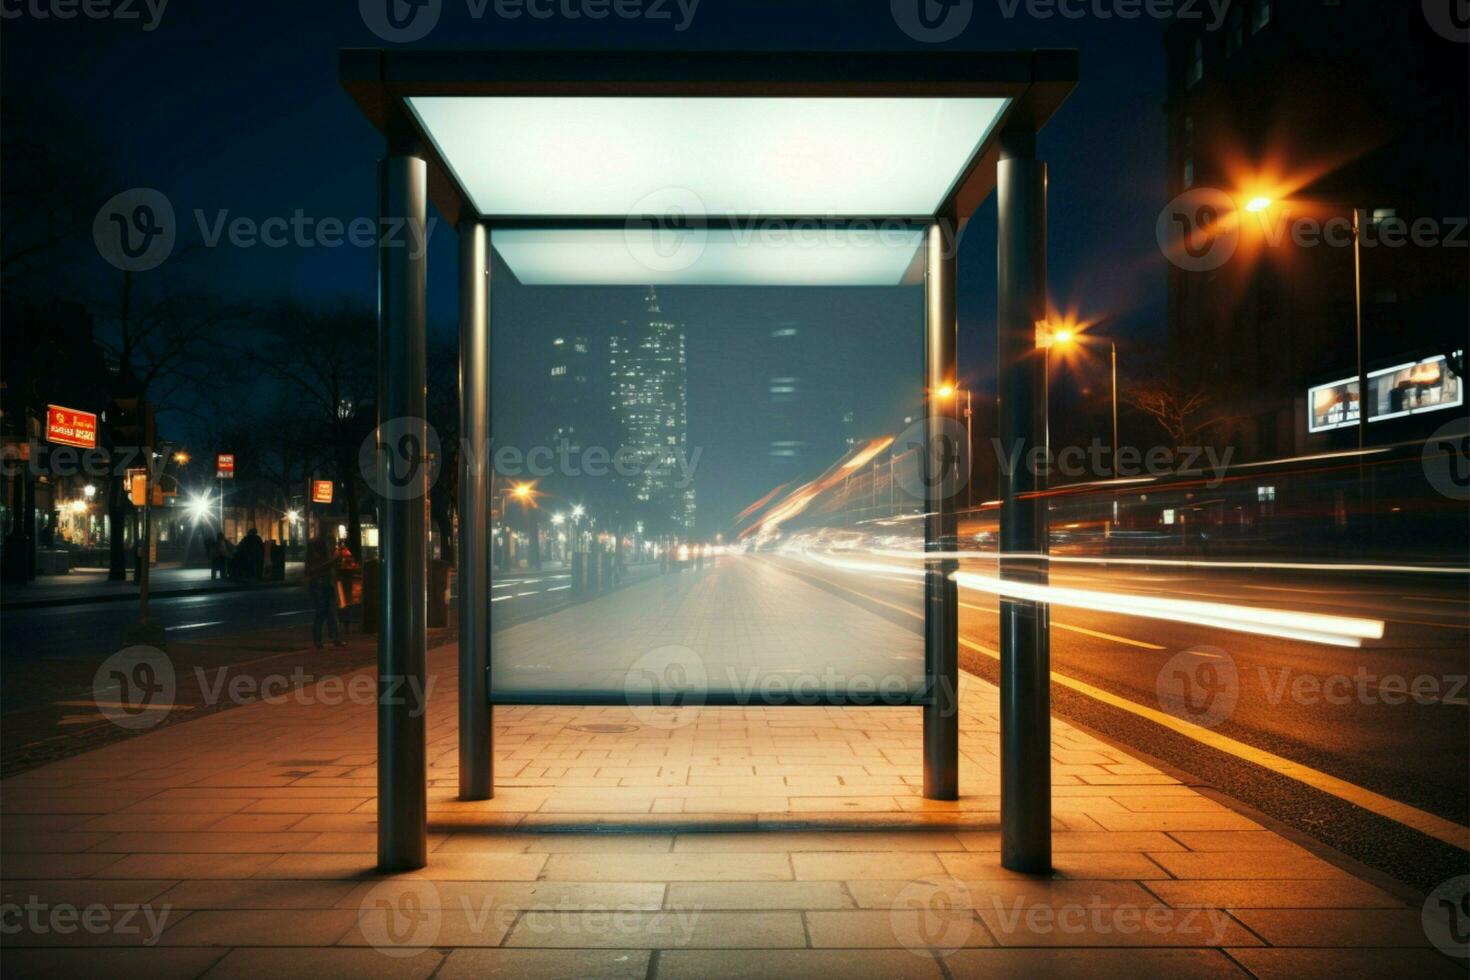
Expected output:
(1389, 718)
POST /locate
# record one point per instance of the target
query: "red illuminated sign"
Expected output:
(224, 466)
(69, 427)
(321, 491)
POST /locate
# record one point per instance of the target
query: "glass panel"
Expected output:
(535, 157)
(702, 494)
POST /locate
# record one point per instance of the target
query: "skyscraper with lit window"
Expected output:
(648, 378)
(570, 391)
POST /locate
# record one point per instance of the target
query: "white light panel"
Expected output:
(615, 156)
(641, 255)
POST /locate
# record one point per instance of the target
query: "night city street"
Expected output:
(652, 489)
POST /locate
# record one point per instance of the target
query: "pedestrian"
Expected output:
(252, 555)
(321, 581)
(214, 550)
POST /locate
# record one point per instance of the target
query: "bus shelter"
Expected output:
(571, 165)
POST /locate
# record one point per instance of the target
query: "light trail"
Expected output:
(1286, 624)
(1308, 627)
(1284, 566)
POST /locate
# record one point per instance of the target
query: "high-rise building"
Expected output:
(648, 383)
(788, 443)
(1325, 108)
(570, 392)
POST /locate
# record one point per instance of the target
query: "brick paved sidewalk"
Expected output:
(242, 844)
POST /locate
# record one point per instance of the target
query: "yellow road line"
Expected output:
(1422, 821)
(1079, 629)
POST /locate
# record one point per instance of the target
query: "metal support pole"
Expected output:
(476, 762)
(403, 606)
(1025, 655)
(941, 602)
(1115, 409)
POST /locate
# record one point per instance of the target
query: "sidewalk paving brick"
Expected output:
(722, 842)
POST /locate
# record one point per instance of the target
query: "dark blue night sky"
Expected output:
(235, 110)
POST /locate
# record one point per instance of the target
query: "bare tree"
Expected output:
(1188, 417)
(326, 363)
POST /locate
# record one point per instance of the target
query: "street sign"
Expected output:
(321, 491)
(224, 466)
(69, 427)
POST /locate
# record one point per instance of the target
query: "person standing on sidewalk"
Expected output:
(321, 581)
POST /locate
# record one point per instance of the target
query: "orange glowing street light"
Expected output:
(181, 457)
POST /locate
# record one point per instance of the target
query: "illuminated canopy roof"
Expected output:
(707, 167)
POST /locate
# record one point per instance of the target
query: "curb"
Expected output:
(87, 600)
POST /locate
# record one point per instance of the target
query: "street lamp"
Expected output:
(1257, 205)
(1065, 336)
(946, 392)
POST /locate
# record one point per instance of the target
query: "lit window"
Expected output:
(1265, 494)
(1235, 31)
(1380, 215)
(1189, 172)
(1196, 69)
(559, 370)
(1168, 517)
(1262, 15)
